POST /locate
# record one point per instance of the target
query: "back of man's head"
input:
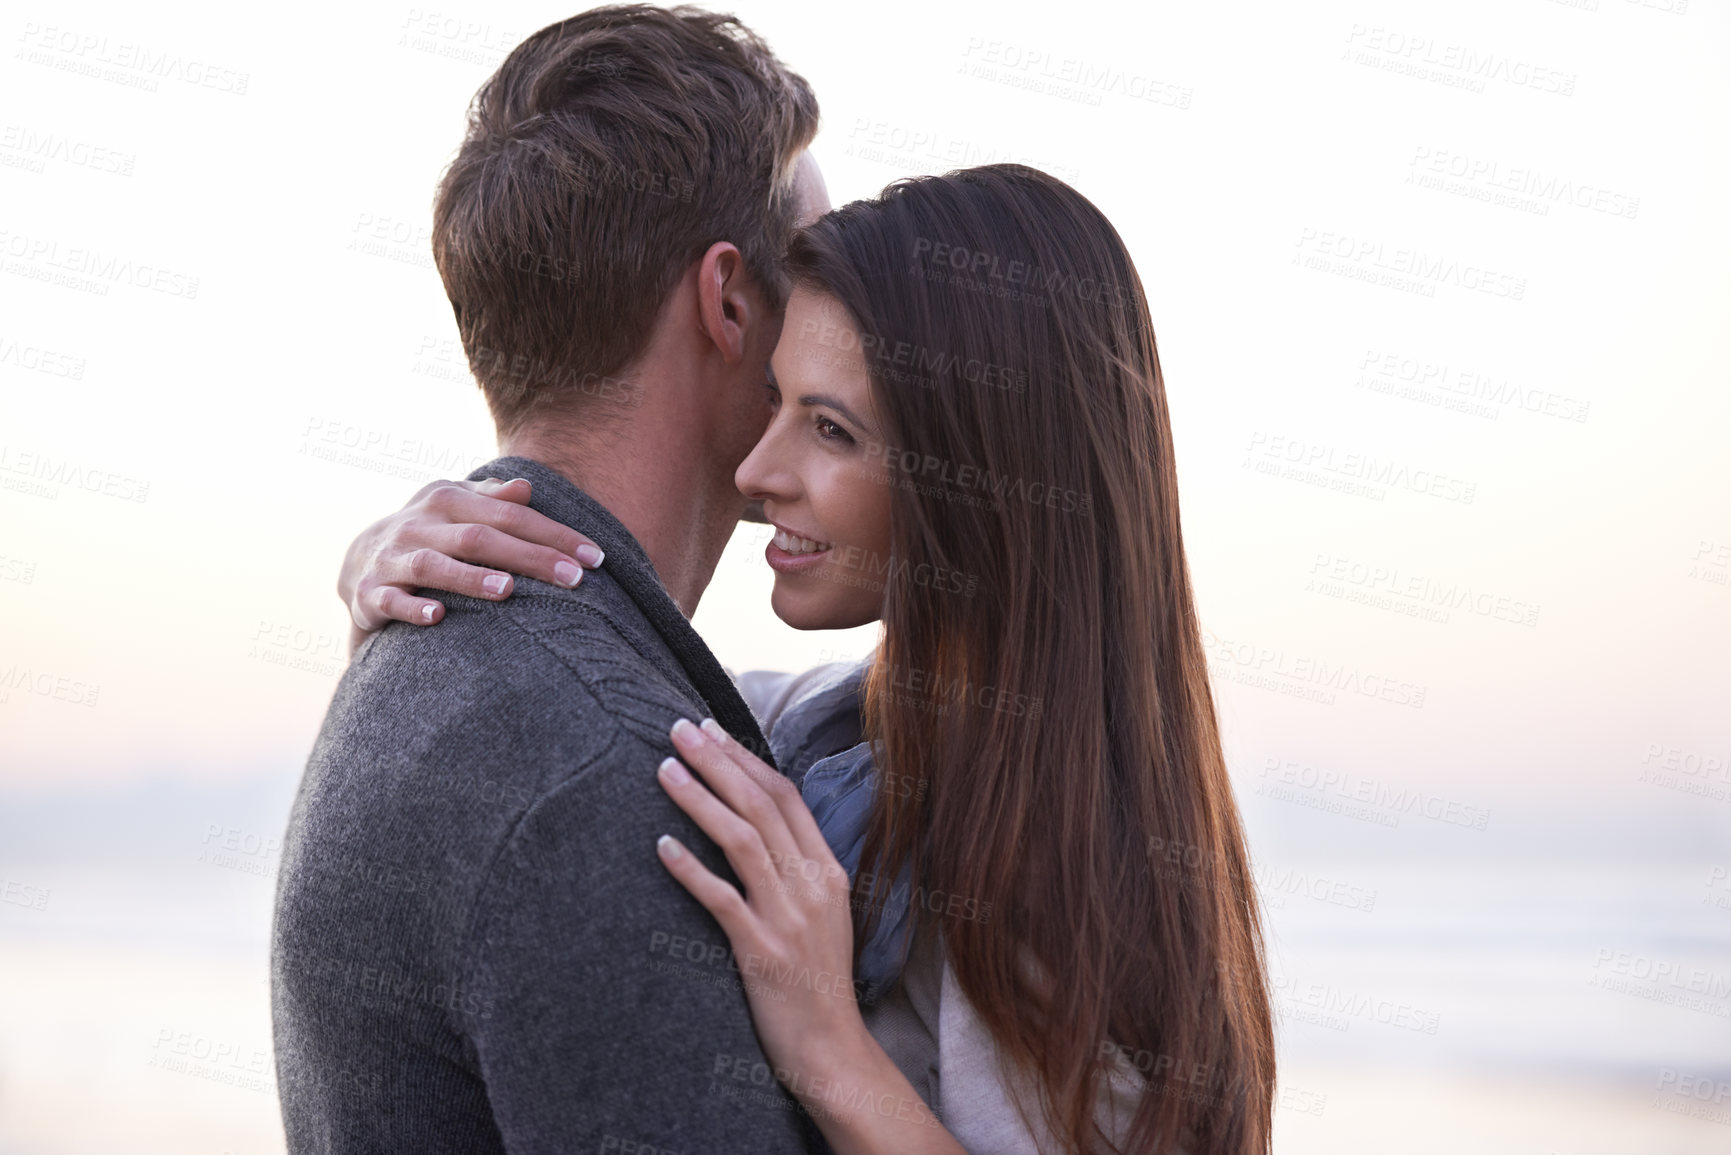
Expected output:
(607, 153)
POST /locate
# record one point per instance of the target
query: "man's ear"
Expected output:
(729, 307)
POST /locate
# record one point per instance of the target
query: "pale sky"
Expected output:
(1398, 256)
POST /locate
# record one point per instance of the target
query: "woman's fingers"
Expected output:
(483, 551)
(434, 569)
(504, 508)
(747, 797)
(380, 604)
(720, 898)
(467, 537)
(516, 490)
(469, 542)
(782, 794)
(742, 842)
(805, 865)
(792, 928)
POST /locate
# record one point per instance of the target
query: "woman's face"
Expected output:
(820, 473)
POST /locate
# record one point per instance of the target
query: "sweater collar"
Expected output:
(628, 565)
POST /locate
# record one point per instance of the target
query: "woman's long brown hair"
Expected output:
(1073, 830)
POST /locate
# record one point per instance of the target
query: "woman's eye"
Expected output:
(830, 431)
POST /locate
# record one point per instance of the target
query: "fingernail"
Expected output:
(427, 612)
(568, 574)
(673, 772)
(515, 480)
(670, 850)
(713, 729)
(686, 732)
(590, 556)
(494, 583)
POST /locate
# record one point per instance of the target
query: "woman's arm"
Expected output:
(792, 936)
(460, 536)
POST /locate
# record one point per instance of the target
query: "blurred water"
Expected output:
(1502, 999)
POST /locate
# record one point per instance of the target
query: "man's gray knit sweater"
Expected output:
(476, 948)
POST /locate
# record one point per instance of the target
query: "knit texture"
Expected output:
(476, 948)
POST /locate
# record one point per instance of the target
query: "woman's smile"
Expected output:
(789, 553)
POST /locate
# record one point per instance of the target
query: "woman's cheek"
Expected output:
(862, 498)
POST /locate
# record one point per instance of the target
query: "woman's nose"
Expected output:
(756, 475)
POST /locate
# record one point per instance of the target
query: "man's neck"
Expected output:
(663, 491)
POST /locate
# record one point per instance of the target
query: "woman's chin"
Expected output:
(801, 609)
(818, 609)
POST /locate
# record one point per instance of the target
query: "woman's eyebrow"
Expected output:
(810, 399)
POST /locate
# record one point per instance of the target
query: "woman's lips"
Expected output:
(790, 553)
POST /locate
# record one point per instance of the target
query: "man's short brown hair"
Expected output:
(607, 153)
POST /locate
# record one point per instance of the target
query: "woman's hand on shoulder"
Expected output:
(464, 537)
(792, 927)
(791, 930)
